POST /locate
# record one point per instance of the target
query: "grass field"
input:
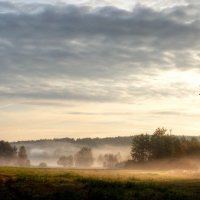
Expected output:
(34, 183)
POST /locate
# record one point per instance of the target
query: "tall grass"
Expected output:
(55, 184)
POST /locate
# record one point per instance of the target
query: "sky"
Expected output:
(90, 68)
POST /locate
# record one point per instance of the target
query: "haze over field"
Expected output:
(83, 68)
(49, 151)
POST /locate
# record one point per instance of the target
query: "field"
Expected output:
(72, 184)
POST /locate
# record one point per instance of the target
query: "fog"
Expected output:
(49, 154)
(185, 164)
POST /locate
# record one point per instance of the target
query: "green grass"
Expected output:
(58, 184)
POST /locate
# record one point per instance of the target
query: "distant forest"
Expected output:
(91, 142)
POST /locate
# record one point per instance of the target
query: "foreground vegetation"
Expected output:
(32, 183)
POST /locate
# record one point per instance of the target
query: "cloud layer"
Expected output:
(73, 52)
(88, 68)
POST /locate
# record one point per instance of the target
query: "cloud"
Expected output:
(98, 113)
(5, 106)
(90, 50)
(176, 114)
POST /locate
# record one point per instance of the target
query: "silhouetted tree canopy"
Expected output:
(160, 131)
(161, 145)
(140, 150)
(6, 150)
(89, 142)
(7, 153)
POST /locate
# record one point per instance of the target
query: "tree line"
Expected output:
(161, 145)
(89, 142)
(144, 148)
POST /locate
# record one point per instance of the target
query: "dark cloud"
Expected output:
(40, 43)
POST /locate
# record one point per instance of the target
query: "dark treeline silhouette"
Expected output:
(163, 146)
(91, 142)
(10, 155)
(7, 153)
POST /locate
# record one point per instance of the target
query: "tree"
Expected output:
(22, 157)
(100, 160)
(160, 131)
(109, 160)
(6, 150)
(194, 146)
(161, 146)
(84, 157)
(7, 153)
(66, 161)
(140, 150)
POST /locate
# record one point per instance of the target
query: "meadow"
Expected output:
(98, 184)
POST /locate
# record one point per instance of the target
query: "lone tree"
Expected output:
(84, 157)
(22, 157)
(66, 161)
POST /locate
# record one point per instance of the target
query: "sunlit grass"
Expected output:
(35, 183)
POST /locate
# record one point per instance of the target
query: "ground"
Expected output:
(72, 184)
